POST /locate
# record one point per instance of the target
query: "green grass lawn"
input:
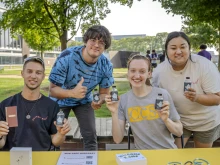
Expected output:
(11, 86)
(16, 70)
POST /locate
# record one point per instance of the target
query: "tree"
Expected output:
(195, 13)
(201, 34)
(53, 15)
(37, 41)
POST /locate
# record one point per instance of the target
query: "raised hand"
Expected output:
(111, 105)
(4, 129)
(79, 91)
(191, 94)
(164, 113)
(64, 129)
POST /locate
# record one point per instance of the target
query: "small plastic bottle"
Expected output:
(60, 118)
(159, 102)
(187, 84)
(96, 96)
(114, 94)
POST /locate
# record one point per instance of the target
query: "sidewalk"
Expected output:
(17, 76)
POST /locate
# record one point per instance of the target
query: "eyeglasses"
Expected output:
(100, 43)
(35, 58)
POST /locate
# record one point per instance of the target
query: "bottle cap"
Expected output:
(113, 86)
(187, 77)
(159, 94)
(95, 89)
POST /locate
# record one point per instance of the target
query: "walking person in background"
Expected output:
(152, 128)
(198, 105)
(154, 59)
(204, 53)
(148, 55)
(36, 114)
(76, 72)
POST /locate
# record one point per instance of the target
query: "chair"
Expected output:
(130, 133)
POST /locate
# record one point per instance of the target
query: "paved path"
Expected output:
(17, 76)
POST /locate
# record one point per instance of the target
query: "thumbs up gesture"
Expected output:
(79, 91)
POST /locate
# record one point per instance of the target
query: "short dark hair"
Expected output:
(203, 46)
(99, 32)
(34, 59)
(148, 51)
(153, 51)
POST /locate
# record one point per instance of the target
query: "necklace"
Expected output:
(28, 116)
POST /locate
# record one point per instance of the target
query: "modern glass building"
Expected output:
(12, 51)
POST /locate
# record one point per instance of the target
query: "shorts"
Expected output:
(203, 136)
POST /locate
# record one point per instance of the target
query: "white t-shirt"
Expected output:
(205, 79)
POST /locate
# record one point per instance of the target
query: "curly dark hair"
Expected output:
(98, 32)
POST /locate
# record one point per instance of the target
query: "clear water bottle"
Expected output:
(60, 118)
(187, 84)
(96, 96)
(114, 94)
(159, 102)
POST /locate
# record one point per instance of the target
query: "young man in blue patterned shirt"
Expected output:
(76, 72)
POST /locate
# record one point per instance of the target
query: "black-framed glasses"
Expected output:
(94, 41)
(34, 58)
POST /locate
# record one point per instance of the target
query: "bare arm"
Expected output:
(175, 127)
(4, 129)
(118, 125)
(78, 92)
(208, 99)
(59, 137)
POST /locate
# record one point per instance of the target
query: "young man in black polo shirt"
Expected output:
(36, 114)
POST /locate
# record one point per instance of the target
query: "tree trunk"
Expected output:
(63, 40)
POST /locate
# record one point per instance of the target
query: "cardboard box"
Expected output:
(132, 158)
(21, 156)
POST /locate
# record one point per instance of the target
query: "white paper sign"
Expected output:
(78, 158)
(131, 158)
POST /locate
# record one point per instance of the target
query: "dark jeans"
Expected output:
(86, 118)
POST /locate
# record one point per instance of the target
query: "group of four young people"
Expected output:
(78, 70)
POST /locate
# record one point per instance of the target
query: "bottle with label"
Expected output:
(114, 94)
(96, 96)
(159, 102)
(60, 118)
(187, 84)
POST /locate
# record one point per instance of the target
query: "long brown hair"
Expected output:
(140, 57)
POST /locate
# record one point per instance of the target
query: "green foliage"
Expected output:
(140, 44)
(55, 17)
(198, 13)
(202, 33)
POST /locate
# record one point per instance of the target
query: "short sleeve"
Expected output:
(108, 79)
(59, 71)
(121, 109)
(174, 116)
(210, 78)
(53, 129)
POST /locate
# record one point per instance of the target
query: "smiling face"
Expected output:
(138, 73)
(178, 52)
(94, 48)
(33, 74)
